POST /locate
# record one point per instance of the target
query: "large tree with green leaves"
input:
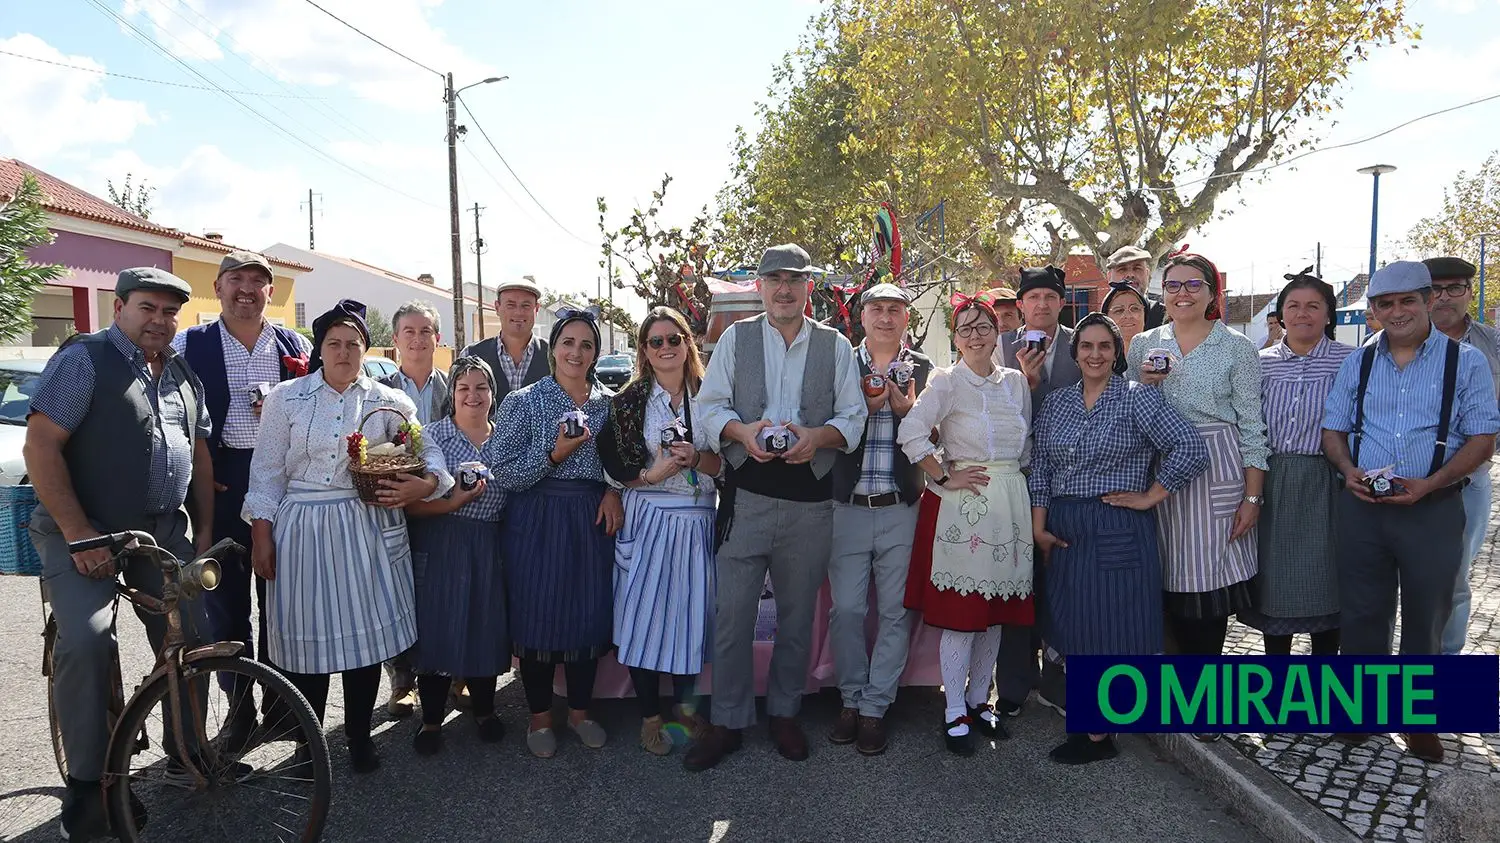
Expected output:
(1471, 207)
(23, 225)
(1124, 121)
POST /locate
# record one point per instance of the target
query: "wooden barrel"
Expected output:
(727, 308)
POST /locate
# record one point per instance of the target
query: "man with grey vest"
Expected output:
(516, 357)
(116, 439)
(780, 400)
(875, 493)
(1452, 294)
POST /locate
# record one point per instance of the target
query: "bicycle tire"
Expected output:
(149, 696)
(49, 645)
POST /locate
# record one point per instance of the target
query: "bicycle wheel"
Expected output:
(49, 643)
(280, 783)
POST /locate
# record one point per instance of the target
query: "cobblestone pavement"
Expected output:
(1377, 790)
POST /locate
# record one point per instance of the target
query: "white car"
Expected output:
(18, 379)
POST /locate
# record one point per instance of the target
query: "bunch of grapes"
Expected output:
(357, 447)
(410, 433)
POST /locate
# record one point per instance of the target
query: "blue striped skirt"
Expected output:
(461, 617)
(1104, 589)
(342, 598)
(558, 572)
(664, 581)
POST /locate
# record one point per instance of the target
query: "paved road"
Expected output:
(917, 791)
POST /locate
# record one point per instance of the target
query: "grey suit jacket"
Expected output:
(1065, 371)
(439, 392)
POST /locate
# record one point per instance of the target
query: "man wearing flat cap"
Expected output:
(1130, 266)
(875, 494)
(117, 439)
(1452, 295)
(1040, 294)
(237, 358)
(1424, 405)
(1007, 311)
(515, 357)
(780, 401)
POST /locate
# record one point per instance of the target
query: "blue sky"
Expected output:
(603, 98)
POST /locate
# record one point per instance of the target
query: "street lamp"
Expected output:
(450, 98)
(1482, 237)
(1377, 171)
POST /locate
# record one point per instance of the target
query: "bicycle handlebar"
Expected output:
(200, 574)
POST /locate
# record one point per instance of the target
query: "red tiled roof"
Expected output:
(64, 198)
(221, 246)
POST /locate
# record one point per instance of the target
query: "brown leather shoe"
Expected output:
(871, 736)
(710, 749)
(789, 738)
(846, 728)
(1425, 746)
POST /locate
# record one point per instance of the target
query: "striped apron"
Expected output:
(1296, 589)
(1194, 523)
(664, 581)
(1103, 589)
(342, 598)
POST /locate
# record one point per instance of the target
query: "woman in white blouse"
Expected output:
(338, 570)
(971, 559)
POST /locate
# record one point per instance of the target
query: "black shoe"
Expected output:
(428, 741)
(239, 733)
(178, 775)
(1007, 708)
(491, 730)
(363, 757)
(990, 726)
(83, 816)
(960, 745)
(1081, 749)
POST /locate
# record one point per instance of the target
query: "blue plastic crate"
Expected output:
(17, 554)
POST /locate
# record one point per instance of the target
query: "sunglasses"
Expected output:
(674, 340)
(1192, 285)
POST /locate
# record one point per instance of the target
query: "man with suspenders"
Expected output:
(1422, 404)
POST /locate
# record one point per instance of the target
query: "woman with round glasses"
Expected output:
(558, 538)
(1210, 374)
(971, 559)
(664, 555)
(1126, 307)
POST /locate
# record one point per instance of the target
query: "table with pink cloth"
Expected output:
(921, 664)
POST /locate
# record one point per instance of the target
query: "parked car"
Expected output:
(615, 370)
(380, 367)
(18, 380)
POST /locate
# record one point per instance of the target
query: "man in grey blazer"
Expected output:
(417, 328)
(1041, 300)
(516, 357)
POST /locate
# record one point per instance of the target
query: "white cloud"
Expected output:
(48, 109)
(300, 45)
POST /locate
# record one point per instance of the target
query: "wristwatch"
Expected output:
(942, 481)
(1258, 500)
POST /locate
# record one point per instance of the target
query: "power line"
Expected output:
(98, 4)
(372, 39)
(158, 81)
(486, 136)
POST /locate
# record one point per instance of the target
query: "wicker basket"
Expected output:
(17, 554)
(367, 475)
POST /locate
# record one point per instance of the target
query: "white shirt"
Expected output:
(979, 419)
(304, 423)
(245, 368)
(784, 367)
(659, 414)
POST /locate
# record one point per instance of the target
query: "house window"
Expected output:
(277, 321)
(1075, 306)
(301, 315)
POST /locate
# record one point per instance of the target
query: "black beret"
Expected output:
(1047, 277)
(1444, 269)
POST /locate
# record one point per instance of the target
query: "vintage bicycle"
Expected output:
(168, 761)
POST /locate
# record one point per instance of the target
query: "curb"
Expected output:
(1250, 792)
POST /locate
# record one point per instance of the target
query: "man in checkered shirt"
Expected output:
(875, 493)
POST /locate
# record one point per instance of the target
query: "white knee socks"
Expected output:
(967, 660)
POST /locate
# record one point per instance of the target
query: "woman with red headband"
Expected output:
(971, 555)
(1210, 374)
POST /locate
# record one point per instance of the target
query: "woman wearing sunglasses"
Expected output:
(1212, 377)
(971, 559)
(664, 555)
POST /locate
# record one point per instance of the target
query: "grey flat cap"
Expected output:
(1399, 277)
(522, 284)
(788, 257)
(240, 260)
(884, 292)
(1126, 254)
(149, 278)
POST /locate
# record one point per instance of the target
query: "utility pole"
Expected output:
(451, 98)
(1318, 264)
(479, 250)
(310, 240)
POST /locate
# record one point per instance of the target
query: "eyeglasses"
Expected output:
(1192, 285)
(1452, 291)
(774, 282)
(983, 329)
(1126, 308)
(674, 340)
